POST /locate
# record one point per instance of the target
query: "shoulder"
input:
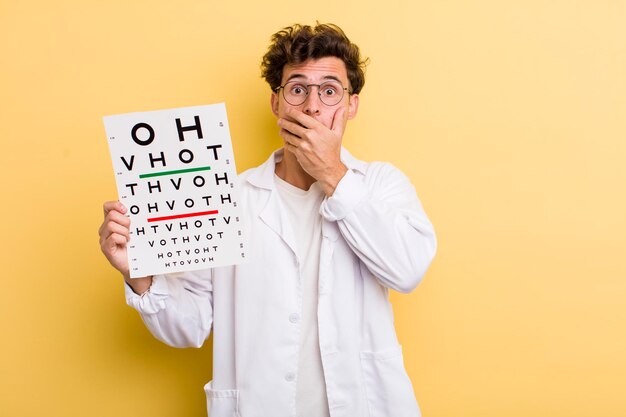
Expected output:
(243, 176)
(374, 169)
(376, 174)
(247, 185)
(382, 170)
(383, 180)
(261, 177)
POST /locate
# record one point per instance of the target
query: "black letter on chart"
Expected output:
(132, 188)
(129, 165)
(218, 178)
(182, 130)
(160, 159)
(138, 141)
(214, 148)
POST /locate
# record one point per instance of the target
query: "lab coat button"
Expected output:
(294, 317)
(290, 376)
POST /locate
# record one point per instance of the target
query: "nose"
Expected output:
(312, 104)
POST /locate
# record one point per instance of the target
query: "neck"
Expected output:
(290, 170)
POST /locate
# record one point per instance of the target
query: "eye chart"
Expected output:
(175, 173)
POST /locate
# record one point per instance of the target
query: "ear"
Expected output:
(353, 106)
(274, 103)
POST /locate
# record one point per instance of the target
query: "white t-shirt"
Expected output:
(303, 212)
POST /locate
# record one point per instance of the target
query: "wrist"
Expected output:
(139, 285)
(329, 184)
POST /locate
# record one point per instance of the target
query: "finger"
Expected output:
(114, 216)
(290, 138)
(112, 244)
(339, 121)
(120, 218)
(292, 127)
(120, 239)
(115, 228)
(304, 119)
(113, 205)
(291, 148)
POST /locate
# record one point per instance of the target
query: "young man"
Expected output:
(305, 329)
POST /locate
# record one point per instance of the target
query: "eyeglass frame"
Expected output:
(319, 91)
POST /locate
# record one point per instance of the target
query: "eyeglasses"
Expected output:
(296, 92)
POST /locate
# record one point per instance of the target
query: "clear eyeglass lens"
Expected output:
(330, 92)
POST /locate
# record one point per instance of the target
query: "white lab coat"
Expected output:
(376, 237)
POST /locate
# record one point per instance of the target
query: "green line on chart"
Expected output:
(178, 171)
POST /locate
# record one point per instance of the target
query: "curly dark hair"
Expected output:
(295, 44)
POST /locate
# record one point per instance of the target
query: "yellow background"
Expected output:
(508, 116)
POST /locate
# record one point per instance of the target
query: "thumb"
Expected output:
(339, 121)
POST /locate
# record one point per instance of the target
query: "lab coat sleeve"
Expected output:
(178, 308)
(383, 222)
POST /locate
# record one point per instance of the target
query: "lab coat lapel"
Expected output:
(273, 213)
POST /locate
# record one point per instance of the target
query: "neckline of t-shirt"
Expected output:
(314, 189)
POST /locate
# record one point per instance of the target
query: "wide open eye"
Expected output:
(330, 89)
(297, 90)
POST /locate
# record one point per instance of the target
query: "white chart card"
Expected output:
(175, 173)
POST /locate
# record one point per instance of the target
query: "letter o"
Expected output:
(183, 152)
(198, 223)
(195, 182)
(189, 202)
(134, 209)
(163, 242)
(133, 134)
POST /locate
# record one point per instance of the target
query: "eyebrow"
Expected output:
(326, 77)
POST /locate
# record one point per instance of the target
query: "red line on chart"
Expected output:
(182, 216)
